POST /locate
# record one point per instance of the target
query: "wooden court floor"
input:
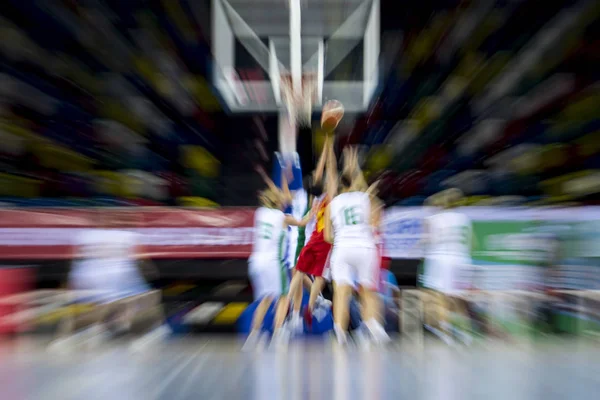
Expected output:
(209, 368)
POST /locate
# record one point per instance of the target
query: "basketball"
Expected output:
(332, 114)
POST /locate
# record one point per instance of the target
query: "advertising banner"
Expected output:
(503, 236)
(403, 231)
(165, 232)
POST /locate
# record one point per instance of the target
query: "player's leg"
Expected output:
(75, 327)
(295, 296)
(257, 323)
(343, 284)
(368, 270)
(445, 289)
(436, 307)
(260, 312)
(316, 288)
(342, 293)
(150, 300)
(283, 306)
(458, 282)
(266, 281)
(283, 303)
(296, 291)
(146, 309)
(280, 335)
(306, 281)
(305, 260)
(137, 305)
(320, 269)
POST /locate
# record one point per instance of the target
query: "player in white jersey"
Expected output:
(354, 258)
(268, 273)
(447, 263)
(106, 268)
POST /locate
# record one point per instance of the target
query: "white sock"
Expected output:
(296, 315)
(340, 334)
(254, 332)
(376, 328)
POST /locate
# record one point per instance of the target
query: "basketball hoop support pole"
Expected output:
(287, 133)
(296, 45)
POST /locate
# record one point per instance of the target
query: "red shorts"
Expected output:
(313, 258)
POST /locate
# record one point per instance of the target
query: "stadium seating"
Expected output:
(101, 127)
(136, 120)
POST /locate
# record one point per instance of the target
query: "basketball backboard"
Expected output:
(255, 41)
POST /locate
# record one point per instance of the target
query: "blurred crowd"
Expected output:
(497, 98)
(108, 102)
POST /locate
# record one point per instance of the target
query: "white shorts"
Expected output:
(111, 279)
(268, 277)
(355, 265)
(446, 274)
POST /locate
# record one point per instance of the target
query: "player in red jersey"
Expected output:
(314, 255)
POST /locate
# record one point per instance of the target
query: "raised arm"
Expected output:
(318, 174)
(373, 190)
(352, 167)
(291, 221)
(332, 176)
(285, 190)
(267, 180)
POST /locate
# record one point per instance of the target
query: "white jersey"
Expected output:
(107, 244)
(450, 234)
(106, 260)
(268, 233)
(351, 218)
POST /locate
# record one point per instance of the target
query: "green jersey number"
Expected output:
(352, 216)
(265, 230)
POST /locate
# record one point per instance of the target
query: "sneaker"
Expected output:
(296, 325)
(341, 338)
(252, 342)
(362, 338)
(323, 302)
(280, 339)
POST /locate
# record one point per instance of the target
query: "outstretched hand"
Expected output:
(350, 158)
(374, 188)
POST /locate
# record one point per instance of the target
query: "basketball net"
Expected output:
(298, 105)
(297, 112)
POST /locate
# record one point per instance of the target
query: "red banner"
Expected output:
(165, 232)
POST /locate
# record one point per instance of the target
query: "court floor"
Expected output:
(214, 368)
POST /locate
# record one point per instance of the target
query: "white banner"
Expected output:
(403, 230)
